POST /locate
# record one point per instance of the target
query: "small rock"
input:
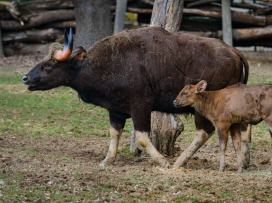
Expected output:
(2, 182)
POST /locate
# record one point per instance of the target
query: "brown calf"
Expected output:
(228, 108)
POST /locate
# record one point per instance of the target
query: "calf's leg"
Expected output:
(245, 144)
(223, 140)
(204, 131)
(236, 140)
(268, 122)
(117, 124)
(142, 122)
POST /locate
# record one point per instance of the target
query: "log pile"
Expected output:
(35, 24)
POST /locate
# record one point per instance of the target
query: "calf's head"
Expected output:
(189, 94)
(57, 67)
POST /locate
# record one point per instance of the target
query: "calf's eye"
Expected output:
(185, 94)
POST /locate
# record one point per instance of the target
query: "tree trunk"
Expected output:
(1, 45)
(93, 21)
(165, 128)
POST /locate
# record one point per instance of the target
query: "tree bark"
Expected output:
(165, 128)
(93, 21)
(167, 14)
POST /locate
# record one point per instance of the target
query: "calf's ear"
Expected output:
(201, 86)
(79, 54)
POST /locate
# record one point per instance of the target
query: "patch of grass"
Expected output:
(126, 151)
(224, 193)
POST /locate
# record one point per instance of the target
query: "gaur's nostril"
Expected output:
(25, 79)
(175, 102)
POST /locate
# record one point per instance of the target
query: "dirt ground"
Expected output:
(66, 169)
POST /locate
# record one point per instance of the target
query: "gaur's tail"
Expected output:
(245, 63)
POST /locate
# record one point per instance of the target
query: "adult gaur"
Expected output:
(139, 71)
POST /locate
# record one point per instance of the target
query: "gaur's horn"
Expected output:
(67, 49)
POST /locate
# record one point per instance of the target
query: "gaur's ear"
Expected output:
(201, 86)
(79, 54)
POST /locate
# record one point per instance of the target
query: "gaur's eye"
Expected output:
(46, 66)
(184, 93)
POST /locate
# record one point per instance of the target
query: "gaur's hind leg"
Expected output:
(245, 144)
(204, 131)
(223, 140)
(117, 123)
(142, 122)
(236, 140)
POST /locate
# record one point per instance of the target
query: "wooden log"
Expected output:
(263, 11)
(249, 34)
(5, 15)
(202, 34)
(39, 19)
(10, 7)
(236, 17)
(148, 2)
(19, 48)
(248, 5)
(54, 4)
(269, 19)
(201, 2)
(61, 25)
(33, 36)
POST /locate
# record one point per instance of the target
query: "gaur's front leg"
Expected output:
(117, 124)
(223, 140)
(204, 131)
(235, 133)
(142, 122)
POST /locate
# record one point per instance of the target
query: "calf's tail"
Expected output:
(243, 78)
